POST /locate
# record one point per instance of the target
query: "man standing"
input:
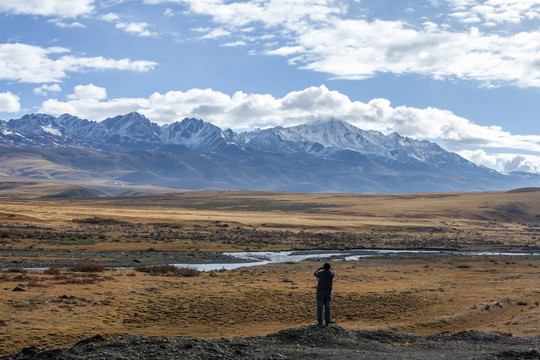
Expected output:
(324, 293)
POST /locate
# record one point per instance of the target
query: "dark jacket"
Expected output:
(326, 280)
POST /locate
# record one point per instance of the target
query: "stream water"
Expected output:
(247, 259)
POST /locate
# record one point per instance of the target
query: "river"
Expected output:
(254, 258)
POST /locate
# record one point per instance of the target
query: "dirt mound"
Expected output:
(297, 343)
(315, 336)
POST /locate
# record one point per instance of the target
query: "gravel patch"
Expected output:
(310, 342)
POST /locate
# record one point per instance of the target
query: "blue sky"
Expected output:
(462, 73)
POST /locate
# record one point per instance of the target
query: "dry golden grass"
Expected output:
(421, 220)
(414, 294)
(417, 294)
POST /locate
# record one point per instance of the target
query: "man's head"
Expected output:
(326, 266)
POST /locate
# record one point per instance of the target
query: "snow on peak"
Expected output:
(49, 129)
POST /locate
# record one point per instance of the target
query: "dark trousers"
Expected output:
(324, 300)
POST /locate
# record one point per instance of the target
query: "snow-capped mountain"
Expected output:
(37, 124)
(330, 155)
(334, 139)
(197, 134)
(131, 128)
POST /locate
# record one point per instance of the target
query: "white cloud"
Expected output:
(286, 50)
(523, 163)
(110, 17)
(321, 35)
(247, 111)
(57, 8)
(9, 102)
(134, 28)
(45, 89)
(216, 33)
(244, 111)
(356, 49)
(480, 157)
(234, 43)
(33, 64)
(88, 92)
(505, 162)
(494, 12)
(62, 24)
(90, 102)
(271, 13)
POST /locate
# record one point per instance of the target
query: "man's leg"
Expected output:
(328, 311)
(320, 305)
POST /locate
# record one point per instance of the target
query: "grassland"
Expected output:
(420, 294)
(233, 221)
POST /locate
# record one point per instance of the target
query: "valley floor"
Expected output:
(420, 294)
(415, 294)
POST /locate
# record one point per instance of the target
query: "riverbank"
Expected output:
(206, 261)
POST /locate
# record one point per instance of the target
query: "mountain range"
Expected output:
(326, 156)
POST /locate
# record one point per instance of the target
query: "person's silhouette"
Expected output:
(324, 293)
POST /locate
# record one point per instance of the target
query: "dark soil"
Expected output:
(311, 342)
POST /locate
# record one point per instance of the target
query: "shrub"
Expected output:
(16, 270)
(52, 271)
(88, 268)
(36, 283)
(167, 269)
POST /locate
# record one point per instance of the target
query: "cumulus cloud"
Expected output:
(247, 111)
(522, 163)
(242, 111)
(33, 64)
(323, 36)
(45, 89)
(62, 24)
(357, 49)
(57, 8)
(88, 92)
(216, 33)
(134, 28)
(494, 12)
(90, 102)
(9, 102)
(505, 162)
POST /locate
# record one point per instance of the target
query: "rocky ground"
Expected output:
(313, 342)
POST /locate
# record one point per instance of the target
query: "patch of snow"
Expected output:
(417, 158)
(49, 129)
